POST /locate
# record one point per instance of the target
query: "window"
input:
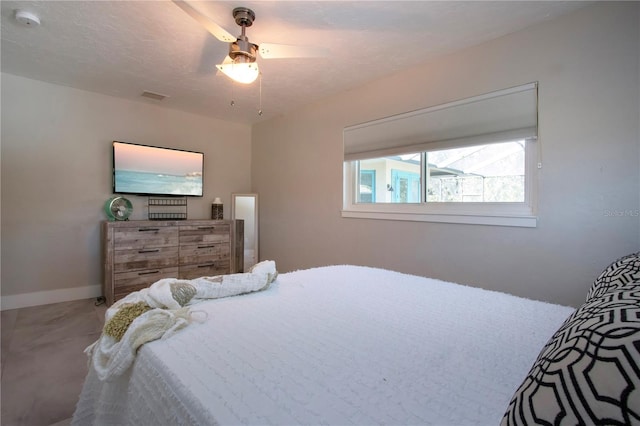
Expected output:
(470, 161)
(479, 173)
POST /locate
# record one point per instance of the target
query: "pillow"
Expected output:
(589, 371)
(623, 271)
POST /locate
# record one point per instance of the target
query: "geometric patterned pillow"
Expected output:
(623, 271)
(589, 371)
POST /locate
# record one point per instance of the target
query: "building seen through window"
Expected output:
(479, 173)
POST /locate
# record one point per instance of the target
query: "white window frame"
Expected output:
(519, 214)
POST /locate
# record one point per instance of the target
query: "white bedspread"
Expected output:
(338, 345)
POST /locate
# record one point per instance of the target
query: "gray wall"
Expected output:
(56, 176)
(587, 65)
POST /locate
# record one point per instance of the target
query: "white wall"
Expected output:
(56, 176)
(587, 65)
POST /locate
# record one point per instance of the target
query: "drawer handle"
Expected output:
(206, 227)
(208, 265)
(149, 251)
(211, 246)
(148, 273)
(148, 229)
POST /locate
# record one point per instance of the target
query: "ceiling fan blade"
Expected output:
(216, 30)
(281, 51)
(227, 60)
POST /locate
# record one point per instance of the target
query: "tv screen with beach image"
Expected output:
(149, 170)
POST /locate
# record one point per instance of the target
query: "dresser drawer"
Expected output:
(126, 282)
(205, 234)
(120, 293)
(146, 237)
(208, 269)
(145, 258)
(203, 253)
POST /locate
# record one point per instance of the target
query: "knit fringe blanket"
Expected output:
(159, 311)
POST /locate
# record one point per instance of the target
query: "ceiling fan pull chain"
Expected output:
(233, 102)
(260, 105)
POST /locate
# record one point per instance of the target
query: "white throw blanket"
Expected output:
(160, 310)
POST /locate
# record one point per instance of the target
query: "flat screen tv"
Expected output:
(151, 170)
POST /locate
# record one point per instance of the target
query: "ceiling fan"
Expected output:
(240, 65)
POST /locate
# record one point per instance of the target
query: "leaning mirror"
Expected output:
(245, 207)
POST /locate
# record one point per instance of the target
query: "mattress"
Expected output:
(334, 345)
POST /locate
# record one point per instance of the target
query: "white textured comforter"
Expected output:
(338, 345)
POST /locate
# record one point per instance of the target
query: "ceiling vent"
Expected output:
(152, 95)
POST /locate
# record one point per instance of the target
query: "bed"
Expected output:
(337, 345)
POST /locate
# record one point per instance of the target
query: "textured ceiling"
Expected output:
(123, 48)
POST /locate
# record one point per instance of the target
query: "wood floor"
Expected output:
(43, 363)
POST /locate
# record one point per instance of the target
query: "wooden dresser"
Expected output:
(138, 253)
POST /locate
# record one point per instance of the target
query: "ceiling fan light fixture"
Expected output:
(240, 65)
(243, 72)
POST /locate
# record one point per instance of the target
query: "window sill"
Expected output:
(525, 221)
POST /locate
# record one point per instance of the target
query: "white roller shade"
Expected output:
(493, 117)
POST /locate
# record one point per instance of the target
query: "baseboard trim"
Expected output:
(38, 298)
